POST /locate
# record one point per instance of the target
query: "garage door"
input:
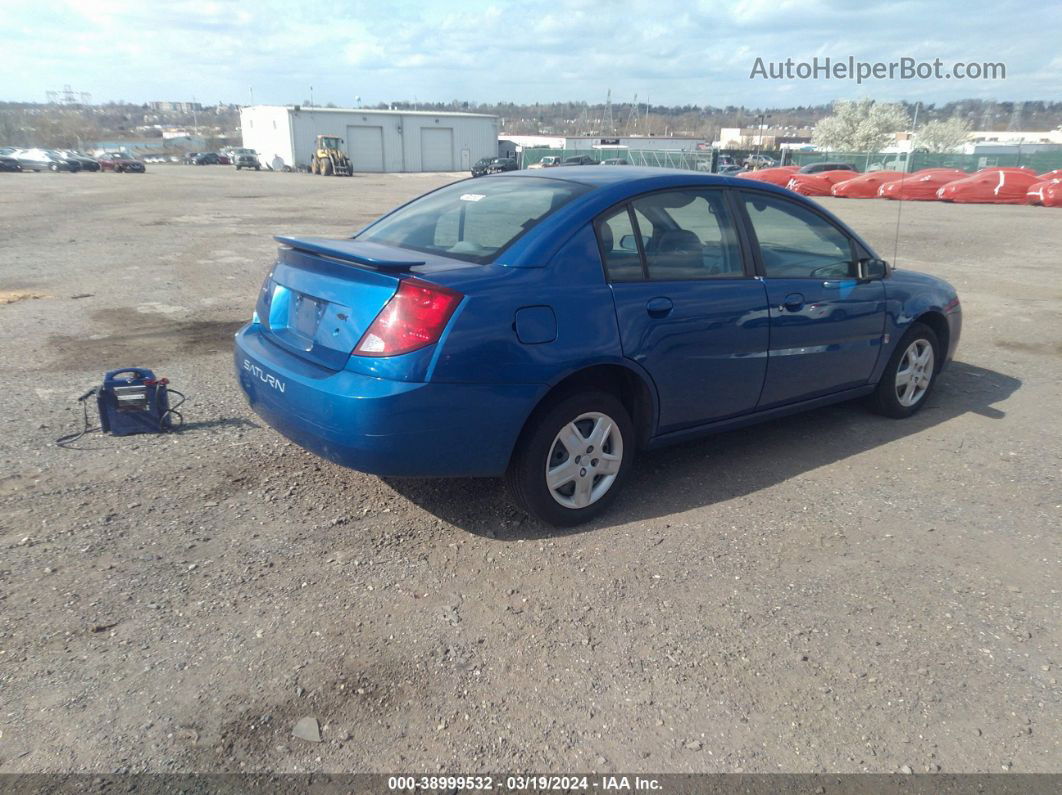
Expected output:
(365, 147)
(437, 149)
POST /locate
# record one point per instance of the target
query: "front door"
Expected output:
(826, 324)
(688, 310)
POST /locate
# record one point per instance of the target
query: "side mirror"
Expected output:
(870, 269)
(628, 243)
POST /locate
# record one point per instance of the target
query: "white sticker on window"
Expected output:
(471, 197)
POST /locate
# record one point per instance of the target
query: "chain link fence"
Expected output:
(1040, 162)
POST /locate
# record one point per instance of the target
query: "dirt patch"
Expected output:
(1050, 348)
(134, 337)
(14, 296)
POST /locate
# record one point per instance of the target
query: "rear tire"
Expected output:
(572, 458)
(910, 373)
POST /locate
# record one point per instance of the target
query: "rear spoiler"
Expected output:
(371, 254)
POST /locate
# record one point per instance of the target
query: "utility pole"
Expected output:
(609, 124)
(914, 134)
(632, 117)
(252, 95)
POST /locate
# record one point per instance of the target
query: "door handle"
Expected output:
(659, 307)
(793, 302)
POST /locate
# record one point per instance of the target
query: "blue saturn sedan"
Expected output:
(546, 328)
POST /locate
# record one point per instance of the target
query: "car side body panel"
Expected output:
(541, 312)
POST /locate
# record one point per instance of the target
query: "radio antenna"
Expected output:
(899, 204)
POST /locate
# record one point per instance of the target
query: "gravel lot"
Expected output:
(832, 592)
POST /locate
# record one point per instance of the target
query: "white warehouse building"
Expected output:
(375, 140)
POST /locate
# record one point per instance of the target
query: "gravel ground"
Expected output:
(833, 592)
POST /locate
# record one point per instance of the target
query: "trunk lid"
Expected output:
(322, 294)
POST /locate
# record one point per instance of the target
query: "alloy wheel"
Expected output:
(914, 372)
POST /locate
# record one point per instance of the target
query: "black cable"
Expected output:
(70, 438)
(165, 423)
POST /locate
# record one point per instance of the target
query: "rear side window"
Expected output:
(795, 242)
(681, 234)
(691, 236)
(619, 247)
(473, 221)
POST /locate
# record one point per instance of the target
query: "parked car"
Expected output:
(245, 158)
(729, 171)
(815, 168)
(921, 185)
(202, 159)
(43, 160)
(779, 175)
(87, 163)
(549, 161)
(820, 184)
(119, 163)
(546, 328)
(73, 165)
(8, 163)
(760, 161)
(493, 165)
(990, 186)
(864, 186)
(579, 160)
(615, 161)
(223, 159)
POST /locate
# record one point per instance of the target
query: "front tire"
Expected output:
(910, 374)
(572, 459)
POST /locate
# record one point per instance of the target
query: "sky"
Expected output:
(674, 53)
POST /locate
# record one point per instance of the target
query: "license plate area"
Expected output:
(305, 316)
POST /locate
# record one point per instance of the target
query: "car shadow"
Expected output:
(722, 466)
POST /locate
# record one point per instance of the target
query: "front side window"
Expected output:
(797, 243)
(473, 221)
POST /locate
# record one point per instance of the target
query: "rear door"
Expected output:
(826, 324)
(689, 310)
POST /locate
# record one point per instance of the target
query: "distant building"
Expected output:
(175, 107)
(636, 142)
(375, 140)
(765, 138)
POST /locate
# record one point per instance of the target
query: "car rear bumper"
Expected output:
(380, 426)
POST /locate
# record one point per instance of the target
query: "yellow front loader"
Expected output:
(328, 159)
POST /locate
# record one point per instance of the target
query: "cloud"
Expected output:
(489, 50)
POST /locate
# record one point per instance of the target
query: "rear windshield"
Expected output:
(473, 220)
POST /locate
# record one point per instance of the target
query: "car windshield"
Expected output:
(473, 221)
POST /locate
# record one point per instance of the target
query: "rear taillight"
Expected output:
(414, 317)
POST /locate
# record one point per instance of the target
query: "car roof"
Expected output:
(638, 178)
